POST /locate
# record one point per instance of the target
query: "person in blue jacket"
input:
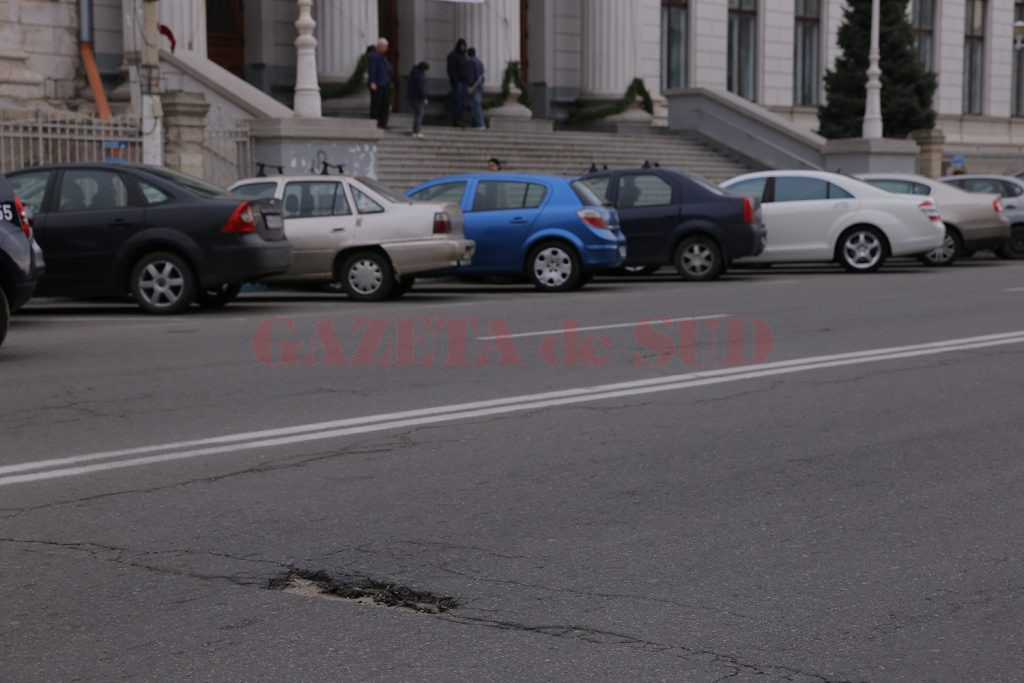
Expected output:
(416, 93)
(460, 77)
(476, 89)
(378, 79)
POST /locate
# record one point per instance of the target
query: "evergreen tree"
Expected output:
(907, 87)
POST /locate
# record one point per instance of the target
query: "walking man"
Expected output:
(460, 77)
(476, 90)
(379, 82)
(416, 93)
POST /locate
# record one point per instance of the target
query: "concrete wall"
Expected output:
(38, 41)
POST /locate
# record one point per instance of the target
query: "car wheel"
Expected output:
(5, 316)
(218, 297)
(553, 267)
(698, 259)
(162, 282)
(1014, 247)
(403, 286)
(639, 269)
(367, 276)
(946, 254)
(862, 250)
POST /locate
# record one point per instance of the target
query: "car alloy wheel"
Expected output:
(698, 259)
(368, 276)
(163, 283)
(1014, 247)
(862, 251)
(944, 255)
(554, 267)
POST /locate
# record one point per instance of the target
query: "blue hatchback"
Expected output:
(554, 230)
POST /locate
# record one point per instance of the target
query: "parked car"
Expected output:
(553, 230)
(368, 239)
(166, 238)
(973, 222)
(17, 258)
(673, 218)
(819, 216)
(1011, 189)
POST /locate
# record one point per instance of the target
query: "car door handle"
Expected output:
(1009, 206)
(119, 223)
(518, 220)
(842, 205)
(337, 229)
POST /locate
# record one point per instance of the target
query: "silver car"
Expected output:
(1011, 189)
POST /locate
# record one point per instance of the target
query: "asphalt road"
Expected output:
(838, 499)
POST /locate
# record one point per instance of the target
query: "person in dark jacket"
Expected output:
(476, 88)
(416, 93)
(378, 79)
(460, 77)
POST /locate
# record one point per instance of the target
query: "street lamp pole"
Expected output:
(307, 89)
(872, 128)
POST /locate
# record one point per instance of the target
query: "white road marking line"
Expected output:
(603, 327)
(1014, 289)
(442, 414)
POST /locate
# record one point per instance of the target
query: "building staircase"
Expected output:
(404, 162)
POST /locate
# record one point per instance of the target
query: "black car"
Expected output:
(673, 218)
(17, 262)
(166, 238)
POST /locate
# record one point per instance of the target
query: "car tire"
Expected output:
(698, 259)
(5, 316)
(1014, 247)
(952, 248)
(367, 276)
(163, 283)
(403, 286)
(218, 297)
(553, 267)
(861, 250)
(638, 269)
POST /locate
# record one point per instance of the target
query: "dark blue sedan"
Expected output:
(555, 231)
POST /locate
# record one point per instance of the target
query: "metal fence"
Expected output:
(227, 155)
(65, 138)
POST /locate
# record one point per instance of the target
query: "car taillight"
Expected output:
(997, 205)
(593, 218)
(748, 211)
(242, 220)
(442, 223)
(928, 209)
(26, 224)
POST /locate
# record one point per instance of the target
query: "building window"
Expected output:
(974, 57)
(673, 44)
(1018, 65)
(922, 18)
(743, 48)
(807, 53)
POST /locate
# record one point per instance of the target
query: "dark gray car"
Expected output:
(1011, 189)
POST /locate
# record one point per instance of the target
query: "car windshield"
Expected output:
(585, 194)
(190, 183)
(384, 191)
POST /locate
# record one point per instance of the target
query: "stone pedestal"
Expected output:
(307, 86)
(931, 143)
(296, 144)
(184, 128)
(876, 155)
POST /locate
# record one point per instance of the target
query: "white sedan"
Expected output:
(819, 216)
(359, 235)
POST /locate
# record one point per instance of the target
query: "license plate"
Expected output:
(9, 213)
(274, 221)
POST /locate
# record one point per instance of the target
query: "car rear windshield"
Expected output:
(384, 191)
(585, 194)
(190, 183)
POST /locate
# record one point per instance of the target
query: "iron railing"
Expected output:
(66, 138)
(227, 155)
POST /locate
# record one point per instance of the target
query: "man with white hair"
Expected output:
(378, 78)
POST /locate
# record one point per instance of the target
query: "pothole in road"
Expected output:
(361, 591)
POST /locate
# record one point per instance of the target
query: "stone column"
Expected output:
(184, 126)
(493, 29)
(345, 30)
(187, 21)
(611, 55)
(931, 143)
(307, 87)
